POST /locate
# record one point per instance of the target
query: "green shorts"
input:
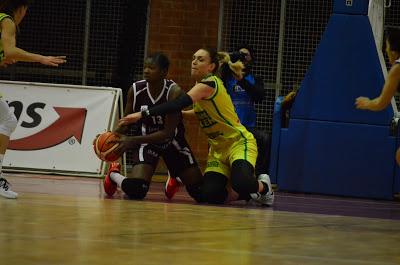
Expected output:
(220, 159)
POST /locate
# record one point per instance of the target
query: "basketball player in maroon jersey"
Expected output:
(160, 136)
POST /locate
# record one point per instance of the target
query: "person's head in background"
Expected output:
(15, 8)
(392, 37)
(155, 67)
(247, 53)
(207, 61)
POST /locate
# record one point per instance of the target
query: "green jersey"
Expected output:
(2, 16)
(218, 118)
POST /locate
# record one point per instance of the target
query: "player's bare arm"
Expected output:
(14, 54)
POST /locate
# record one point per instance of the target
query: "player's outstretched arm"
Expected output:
(14, 54)
(389, 89)
(198, 92)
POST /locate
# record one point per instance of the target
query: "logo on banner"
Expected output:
(70, 123)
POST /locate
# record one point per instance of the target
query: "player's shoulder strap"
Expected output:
(169, 83)
(4, 15)
(139, 85)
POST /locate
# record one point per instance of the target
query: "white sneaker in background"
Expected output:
(5, 189)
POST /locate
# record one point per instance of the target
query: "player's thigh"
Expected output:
(180, 161)
(245, 149)
(145, 160)
(217, 163)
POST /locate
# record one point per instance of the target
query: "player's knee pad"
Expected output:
(214, 188)
(242, 178)
(8, 124)
(135, 188)
(245, 185)
(215, 196)
(195, 192)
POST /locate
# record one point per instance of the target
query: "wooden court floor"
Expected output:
(68, 220)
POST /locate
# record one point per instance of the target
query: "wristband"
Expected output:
(145, 113)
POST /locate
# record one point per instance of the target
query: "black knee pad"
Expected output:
(214, 188)
(135, 188)
(195, 192)
(243, 180)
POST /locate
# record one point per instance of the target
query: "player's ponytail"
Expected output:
(393, 37)
(10, 6)
(236, 68)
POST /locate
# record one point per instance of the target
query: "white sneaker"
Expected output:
(5, 189)
(267, 198)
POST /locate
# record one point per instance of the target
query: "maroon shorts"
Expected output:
(176, 154)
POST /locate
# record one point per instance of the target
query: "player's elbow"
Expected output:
(166, 135)
(10, 54)
(169, 134)
(381, 105)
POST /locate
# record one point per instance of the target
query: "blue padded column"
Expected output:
(330, 147)
(345, 66)
(396, 181)
(276, 132)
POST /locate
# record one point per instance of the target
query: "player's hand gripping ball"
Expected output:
(104, 147)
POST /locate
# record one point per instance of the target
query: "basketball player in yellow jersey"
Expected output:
(233, 150)
(228, 139)
(11, 14)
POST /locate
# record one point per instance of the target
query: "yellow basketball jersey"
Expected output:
(2, 16)
(218, 118)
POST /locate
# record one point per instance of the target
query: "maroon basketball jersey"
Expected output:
(142, 100)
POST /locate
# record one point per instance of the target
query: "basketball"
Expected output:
(104, 149)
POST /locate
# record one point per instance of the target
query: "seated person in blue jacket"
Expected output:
(244, 94)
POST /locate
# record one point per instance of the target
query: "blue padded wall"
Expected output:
(345, 66)
(358, 7)
(330, 147)
(337, 158)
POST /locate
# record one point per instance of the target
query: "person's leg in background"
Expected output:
(8, 123)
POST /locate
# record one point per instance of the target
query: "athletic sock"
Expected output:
(117, 178)
(1, 163)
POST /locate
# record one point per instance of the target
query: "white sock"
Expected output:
(117, 178)
(1, 163)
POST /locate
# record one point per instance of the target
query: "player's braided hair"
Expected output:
(393, 37)
(223, 64)
(236, 67)
(10, 6)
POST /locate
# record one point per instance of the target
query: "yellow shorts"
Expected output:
(220, 159)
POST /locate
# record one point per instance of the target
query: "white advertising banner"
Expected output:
(57, 124)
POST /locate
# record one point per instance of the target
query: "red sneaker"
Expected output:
(171, 187)
(110, 187)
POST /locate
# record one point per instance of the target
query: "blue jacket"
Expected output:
(244, 93)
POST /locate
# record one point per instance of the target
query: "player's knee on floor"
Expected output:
(135, 188)
(215, 195)
(214, 188)
(195, 192)
(245, 185)
(8, 125)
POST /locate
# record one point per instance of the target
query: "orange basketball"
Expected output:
(104, 149)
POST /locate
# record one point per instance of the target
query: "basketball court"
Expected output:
(69, 220)
(64, 216)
